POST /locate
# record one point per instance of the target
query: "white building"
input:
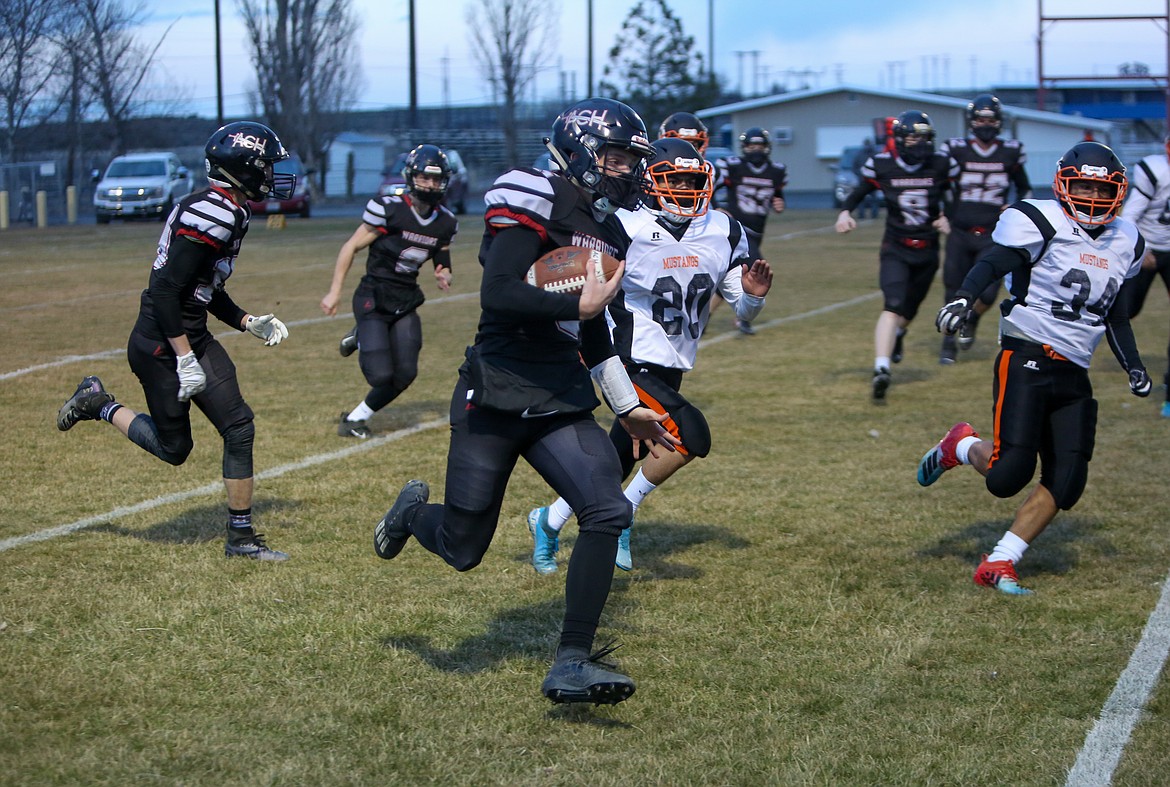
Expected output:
(355, 165)
(810, 127)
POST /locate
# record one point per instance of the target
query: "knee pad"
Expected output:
(171, 448)
(1011, 471)
(377, 368)
(1066, 479)
(237, 450)
(606, 516)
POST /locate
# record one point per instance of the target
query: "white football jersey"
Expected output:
(1063, 298)
(1148, 203)
(659, 315)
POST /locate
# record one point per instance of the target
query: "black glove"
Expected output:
(953, 315)
(1139, 382)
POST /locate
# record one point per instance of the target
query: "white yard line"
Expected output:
(1105, 743)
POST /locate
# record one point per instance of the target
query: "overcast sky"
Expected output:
(912, 44)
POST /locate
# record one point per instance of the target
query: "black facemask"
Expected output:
(755, 157)
(985, 133)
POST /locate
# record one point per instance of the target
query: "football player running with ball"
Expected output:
(681, 256)
(524, 392)
(171, 350)
(1065, 261)
(401, 233)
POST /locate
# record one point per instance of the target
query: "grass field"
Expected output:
(800, 612)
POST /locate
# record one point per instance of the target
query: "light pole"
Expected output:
(218, 71)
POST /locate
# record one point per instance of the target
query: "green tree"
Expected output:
(653, 65)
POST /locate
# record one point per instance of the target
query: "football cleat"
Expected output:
(946, 355)
(392, 531)
(624, 560)
(579, 676)
(1166, 409)
(545, 542)
(881, 383)
(942, 457)
(1000, 575)
(252, 546)
(745, 327)
(85, 405)
(347, 428)
(349, 343)
(896, 355)
(966, 335)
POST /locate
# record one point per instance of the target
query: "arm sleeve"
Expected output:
(166, 290)
(1119, 332)
(596, 343)
(993, 265)
(863, 188)
(1020, 180)
(504, 291)
(443, 257)
(225, 310)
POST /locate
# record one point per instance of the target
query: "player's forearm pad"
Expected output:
(611, 376)
(748, 307)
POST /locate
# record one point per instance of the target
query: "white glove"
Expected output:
(953, 315)
(192, 379)
(268, 328)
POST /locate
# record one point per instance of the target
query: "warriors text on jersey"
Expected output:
(1148, 203)
(659, 315)
(985, 177)
(750, 189)
(557, 211)
(196, 254)
(1062, 300)
(912, 194)
(405, 239)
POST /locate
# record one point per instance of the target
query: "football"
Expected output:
(564, 269)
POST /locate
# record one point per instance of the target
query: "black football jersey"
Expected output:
(750, 190)
(985, 177)
(193, 275)
(913, 195)
(405, 239)
(556, 210)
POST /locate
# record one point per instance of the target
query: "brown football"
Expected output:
(564, 270)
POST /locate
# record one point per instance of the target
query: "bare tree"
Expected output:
(28, 63)
(117, 62)
(512, 40)
(307, 71)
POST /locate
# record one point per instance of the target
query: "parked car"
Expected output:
(393, 183)
(140, 185)
(715, 155)
(845, 178)
(300, 202)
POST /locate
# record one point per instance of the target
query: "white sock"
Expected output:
(1010, 547)
(963, 447)
(637, 490)
(360, 413)
(881, 362)
(559, 513)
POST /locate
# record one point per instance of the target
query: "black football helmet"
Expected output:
(755, 136)
(427, 160)
(581, 134)
(686, 126)
(913, 136)
(679, 181)
(985, 107)
(1094, 162)
(240, 155)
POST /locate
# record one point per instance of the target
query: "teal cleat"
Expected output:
(545, 542)
(624, 561)
(1166, 409)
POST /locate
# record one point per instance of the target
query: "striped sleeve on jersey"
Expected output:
(210, 219)
(377, 211)
(520, 197)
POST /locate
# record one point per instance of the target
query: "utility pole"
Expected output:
(413, 69)
(739, 61)
(589, 44)
(218, 71)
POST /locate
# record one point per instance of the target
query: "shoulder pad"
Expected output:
(211, 217)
